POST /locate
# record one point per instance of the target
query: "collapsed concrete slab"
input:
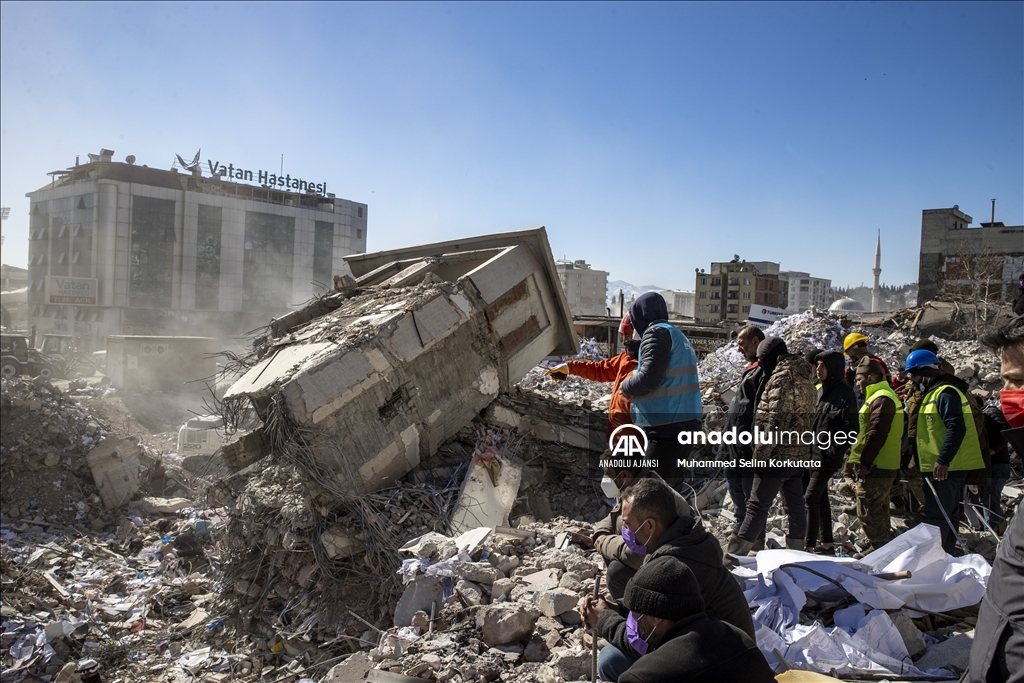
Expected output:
(377, 375)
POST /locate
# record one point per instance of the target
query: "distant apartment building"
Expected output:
(585, 287)
(799, 291)
(12, 277)
(966, 263)
(120, 248)
(680, 302)
(728, 290)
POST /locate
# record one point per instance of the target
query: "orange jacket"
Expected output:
(614, 369)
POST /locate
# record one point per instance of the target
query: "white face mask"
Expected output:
(609, 487)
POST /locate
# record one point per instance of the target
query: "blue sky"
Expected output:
(650, 139)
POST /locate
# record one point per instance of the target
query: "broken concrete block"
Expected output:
(570, 580)
(953, 654)
(479, 572)
(912, 638)
(419, 595)
(504, 623)
(352, 670)
(410, 359)
(470, 593)
(544, 580)
(481, 503)
(536, 650)
(115, 469)
(500, 589)
(555, 602)
(572, 665)
(338, 544)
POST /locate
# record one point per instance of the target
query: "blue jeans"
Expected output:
(612, 663)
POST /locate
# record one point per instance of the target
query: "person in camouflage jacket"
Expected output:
(785, 403)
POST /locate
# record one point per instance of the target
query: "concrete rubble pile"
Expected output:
(134, 600)
(46, 438)
(488, 605)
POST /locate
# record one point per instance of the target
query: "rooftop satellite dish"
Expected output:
(130, 159)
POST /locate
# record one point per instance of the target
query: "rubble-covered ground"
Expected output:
(243, 577)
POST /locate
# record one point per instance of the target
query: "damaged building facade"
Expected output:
(961, 262)
(120, 248)
(359, 386)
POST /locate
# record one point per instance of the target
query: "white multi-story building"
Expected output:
(586, 288)
(799, 291)
(119, 248)
(680, 302)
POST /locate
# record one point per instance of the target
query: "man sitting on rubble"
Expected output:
(741, 416)
(664, 388)
(614, 369)
(667, 636)
(652, 528)
(876, 451)
(997, 653)
(622, 562)
(947, 444)
(786, 403)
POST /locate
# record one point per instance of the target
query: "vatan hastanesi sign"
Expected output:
(77, 291)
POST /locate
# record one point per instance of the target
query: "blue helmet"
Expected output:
(921, 358)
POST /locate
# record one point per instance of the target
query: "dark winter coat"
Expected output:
(997, 653)
(689, 542)
(836, 412)
(742, 407)
(655, 345)
(697, 649)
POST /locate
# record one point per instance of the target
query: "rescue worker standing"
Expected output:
(785, 403)
(947, 444)
(741, 416)
(876, 451)
(855, 346)
(664, 388)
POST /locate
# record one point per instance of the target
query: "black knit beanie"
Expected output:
(772, 346)
(664, 587)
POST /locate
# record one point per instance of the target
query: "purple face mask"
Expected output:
(630, 538)
(633, 635)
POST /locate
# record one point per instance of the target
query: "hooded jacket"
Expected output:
(836, 413)
(657, 347)
(689, 542)
(787, 404)
(697, 649)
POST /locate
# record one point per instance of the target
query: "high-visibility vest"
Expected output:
(678, 397)
(889, 457)
(931, 432)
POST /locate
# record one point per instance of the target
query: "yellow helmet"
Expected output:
(851, 339)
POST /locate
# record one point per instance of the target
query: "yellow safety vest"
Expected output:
(889, 457)
(931, 432)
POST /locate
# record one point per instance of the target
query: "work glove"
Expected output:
(558, 373)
